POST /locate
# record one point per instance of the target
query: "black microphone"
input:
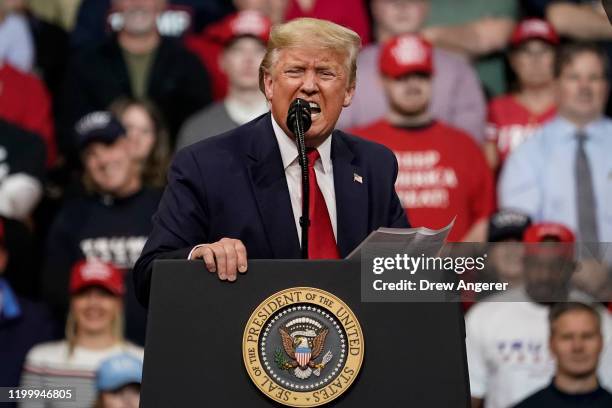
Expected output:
(299, 121)
(298, 116)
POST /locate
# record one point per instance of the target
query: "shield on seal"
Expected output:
(302, 355)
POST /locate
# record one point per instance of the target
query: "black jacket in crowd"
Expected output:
(99, 227)
(178, 84)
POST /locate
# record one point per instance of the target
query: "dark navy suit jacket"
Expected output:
(233, 185)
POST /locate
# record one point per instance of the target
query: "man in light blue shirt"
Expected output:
(564, 172)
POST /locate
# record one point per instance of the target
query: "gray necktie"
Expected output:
(585, 196)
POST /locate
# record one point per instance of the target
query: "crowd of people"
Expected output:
(497, 112)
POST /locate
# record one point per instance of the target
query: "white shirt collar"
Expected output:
(569, 129)
(289, 151)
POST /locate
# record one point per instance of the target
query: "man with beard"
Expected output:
(562, 174)
(442, 172)
(138, 63)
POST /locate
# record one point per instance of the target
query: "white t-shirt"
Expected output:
(49, 365)
(507, 349)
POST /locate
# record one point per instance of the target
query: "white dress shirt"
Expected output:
(323, 170)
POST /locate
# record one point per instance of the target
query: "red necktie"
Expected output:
(321, 241)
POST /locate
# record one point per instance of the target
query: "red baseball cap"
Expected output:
(548, 230)
(534, 28)
(544, 231)
(95, 273)
(243, 23)
(406, 54)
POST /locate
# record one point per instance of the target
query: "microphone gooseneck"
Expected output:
(298, 116)
(298, 122)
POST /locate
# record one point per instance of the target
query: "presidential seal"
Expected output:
(303, 347)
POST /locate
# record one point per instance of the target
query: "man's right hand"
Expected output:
(225, 257)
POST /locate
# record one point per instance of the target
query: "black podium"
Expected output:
(414, 352)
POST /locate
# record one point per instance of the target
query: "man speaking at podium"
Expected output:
(238, 195)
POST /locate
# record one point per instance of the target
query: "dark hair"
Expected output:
(156, 164)
(559, 309)
(567, 52)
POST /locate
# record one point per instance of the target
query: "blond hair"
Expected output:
(312, 32)
(71, 329)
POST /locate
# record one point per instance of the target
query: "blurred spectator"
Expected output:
(244, 48)
(118, 382)
(505, 260)
(16, 46)
(478, 29)
(93, 26)
(442, 172)
(59, 12)
(562, 173)
(518, 115)
(507, 336)
(23, 324)
(25, 102)
(457, 97)
(348, 13)
(209, 45)
(137, 63)
(148, 137)
(22, 167)
(576, 342)
(583, 20)
(94, 332)
(110, 225)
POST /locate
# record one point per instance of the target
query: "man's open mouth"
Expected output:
(314, 108)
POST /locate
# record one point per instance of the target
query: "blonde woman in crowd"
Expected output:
(94, 332)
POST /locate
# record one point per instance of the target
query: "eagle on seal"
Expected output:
(302, 351)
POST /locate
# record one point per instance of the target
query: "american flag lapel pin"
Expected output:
(357, 178)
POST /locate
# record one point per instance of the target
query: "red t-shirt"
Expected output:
(510, 124)
(348, 13)
(442, 174)
(25, 102)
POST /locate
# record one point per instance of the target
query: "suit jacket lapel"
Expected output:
(351, 196)
(271, 191)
